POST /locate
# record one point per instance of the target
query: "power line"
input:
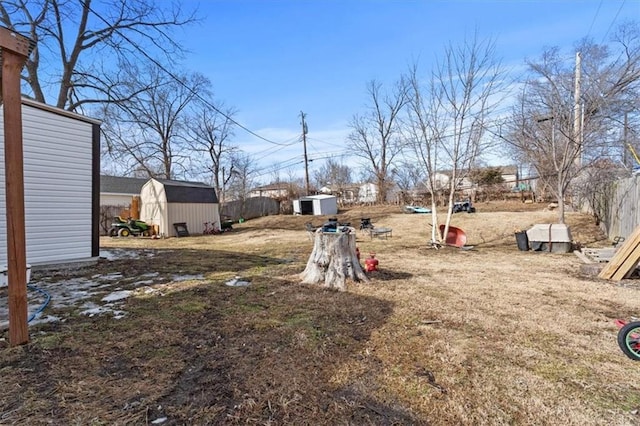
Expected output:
(594, 19)
(179, 81)
(613, 21)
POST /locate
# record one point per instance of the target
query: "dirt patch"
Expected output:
(490, 335)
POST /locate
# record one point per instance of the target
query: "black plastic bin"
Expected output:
(522, 240)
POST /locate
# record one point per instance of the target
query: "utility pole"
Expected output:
(304, 144)
(577, 133)
(625, 136)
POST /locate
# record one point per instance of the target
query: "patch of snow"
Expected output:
(237, 282)
(188, 277)
(92, 310)
(117, 254)
(112, 276)
(117, 295)
(159, 420)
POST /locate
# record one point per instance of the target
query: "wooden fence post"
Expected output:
(15, 50)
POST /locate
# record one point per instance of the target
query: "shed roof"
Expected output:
(188, 192)
(318, 197)
(121, 185)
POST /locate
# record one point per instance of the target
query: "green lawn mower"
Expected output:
(124, 228)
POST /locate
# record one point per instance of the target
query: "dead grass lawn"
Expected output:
(485, 336)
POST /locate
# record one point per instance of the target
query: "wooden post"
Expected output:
(15, 50)
(134, 211)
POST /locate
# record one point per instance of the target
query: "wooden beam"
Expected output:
(12, 64)
(625, 259)
(14, 42)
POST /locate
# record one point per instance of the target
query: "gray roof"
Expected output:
(177, 191)
(188, 192)
(121, 185)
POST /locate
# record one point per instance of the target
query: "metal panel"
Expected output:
(194, 215)
(58, 187)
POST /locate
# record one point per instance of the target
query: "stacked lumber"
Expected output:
(624, 262)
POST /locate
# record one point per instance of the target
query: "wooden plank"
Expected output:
(14, 180)
(16, 43)
(629, 249)
(628, 266)
(623, 253)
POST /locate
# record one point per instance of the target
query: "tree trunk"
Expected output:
(333, 260)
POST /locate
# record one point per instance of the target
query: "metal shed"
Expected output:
(167, 202)
(61, 152)
(316, 205)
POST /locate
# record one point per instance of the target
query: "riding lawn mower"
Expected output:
(124, 228)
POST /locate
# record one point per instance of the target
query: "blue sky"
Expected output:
(272, 59)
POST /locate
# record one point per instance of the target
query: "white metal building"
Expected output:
(316, 205)
(166, 202)
(61, 152)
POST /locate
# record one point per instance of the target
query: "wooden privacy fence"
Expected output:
(624, 211)
(250, 208)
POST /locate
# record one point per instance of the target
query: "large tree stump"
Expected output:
(333, 260)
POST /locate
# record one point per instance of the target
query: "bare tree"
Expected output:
(376, 135)
(242, 180)
(542, 129)
(409, 176)
(79, 41)
(448, 119)
(148, 131)
(333, 173)
(210, 130)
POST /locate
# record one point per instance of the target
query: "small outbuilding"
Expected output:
(316, 205)
(174, 205)
(61, 154)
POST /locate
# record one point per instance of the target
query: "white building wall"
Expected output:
(115, 199)
(194, 215)
(57, 187)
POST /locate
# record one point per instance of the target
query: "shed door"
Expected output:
(306, 206)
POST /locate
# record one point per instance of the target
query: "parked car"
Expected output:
(415, 209)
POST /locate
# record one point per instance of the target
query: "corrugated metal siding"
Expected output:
(193, 214)
(58, 187)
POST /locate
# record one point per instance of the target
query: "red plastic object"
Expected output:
(620, 323)
(371, 264)
(455, 237)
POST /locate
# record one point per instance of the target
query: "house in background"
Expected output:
(279, 190)
(61, 152)
(118, 191)
(358, 193)
(168, 203)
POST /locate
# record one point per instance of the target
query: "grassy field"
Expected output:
(490, 335)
